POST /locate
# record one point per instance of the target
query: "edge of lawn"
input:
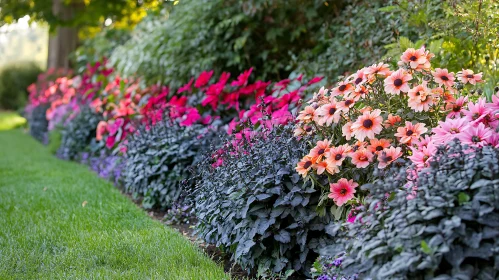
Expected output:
(60, 220)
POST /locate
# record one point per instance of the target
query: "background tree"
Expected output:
(71, 19)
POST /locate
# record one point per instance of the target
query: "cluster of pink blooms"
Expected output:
(118, 105)
(474, 124)
(378, 115)
(272, 108)
(273, 105)
(124, 104)
(246, 102)
(50, 86)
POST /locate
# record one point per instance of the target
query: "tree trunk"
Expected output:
(65, 40)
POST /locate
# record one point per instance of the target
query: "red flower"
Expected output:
(224, 78)
(212, 95)
(289, 98)
(282, 84)
(186, 87)
(260, 88)
(191, 116)
(315, 80)
(203, 79)
(110, 141)
(178, 101)
(242, 79)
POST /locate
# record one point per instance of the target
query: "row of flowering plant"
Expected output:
(45, 89)
(202, 100)
(474, 125)
(273, 107)
(374, 117)
(118, 103)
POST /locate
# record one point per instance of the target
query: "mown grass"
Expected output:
(10, 120)
(60, 221)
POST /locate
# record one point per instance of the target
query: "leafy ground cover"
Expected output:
(59, 220)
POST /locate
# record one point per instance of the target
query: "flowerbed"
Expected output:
(277, 183)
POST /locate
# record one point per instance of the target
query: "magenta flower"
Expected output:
(448, 130)
(110, 141)
(315, 80)
(186, 87)
(242, 80)
(494, 106)
(115, 126)
(476, 135)
(477, 112)
(421, 156)
(203, 79)
(191, 116)
(494, 140)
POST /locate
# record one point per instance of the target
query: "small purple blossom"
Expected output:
(106, 166)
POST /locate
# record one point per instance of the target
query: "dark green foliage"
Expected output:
(158, 159)
(102, 45)
(78, 133)
(228, 35)
(355, 38)
(14, 81)
(257, 207)
(38, 124)
(450, 230)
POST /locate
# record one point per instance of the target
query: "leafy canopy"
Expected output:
(87, 13)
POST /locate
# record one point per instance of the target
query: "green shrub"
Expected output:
(355, 37)
(258, 208)
(158, 160)
(14, 81)
(231, 35)
(449, 230)
(461, 33)
(95, 48)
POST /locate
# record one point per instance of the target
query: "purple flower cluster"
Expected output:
(331, 269)
(106, 166)
(63, 114)
(178, 214)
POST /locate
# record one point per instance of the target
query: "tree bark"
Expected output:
(65, 39)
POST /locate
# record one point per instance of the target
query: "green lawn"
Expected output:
(10, 120)
(60, 221)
